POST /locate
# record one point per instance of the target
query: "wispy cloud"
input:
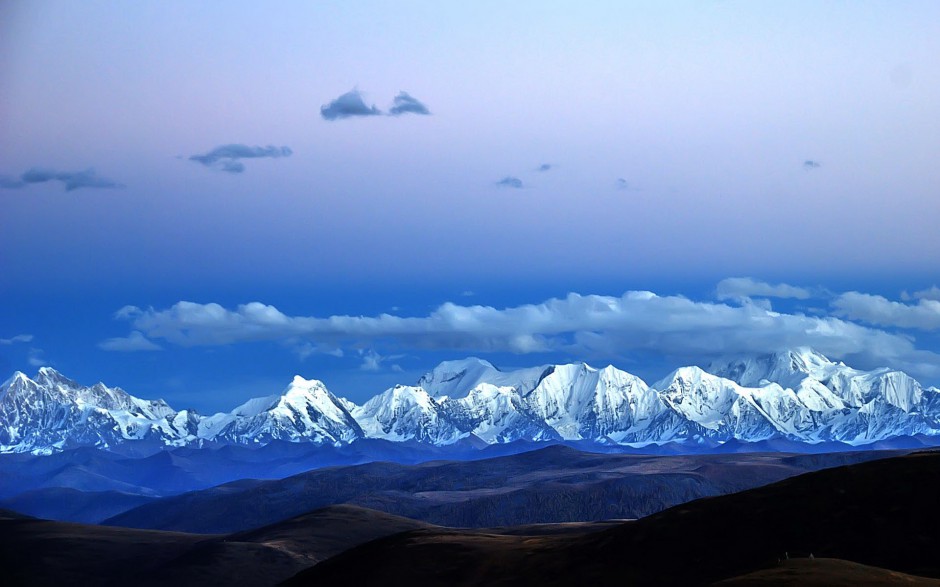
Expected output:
(35, 358)
(810, 164)
(70, 180)
(623, 184)
(307, 349)
(510, 182)
(349, 105)
(134, 342)
(373, 361)
(17, 338)
(227, 157)
(924, 315)
(590, 326)
(546, 167)
(735, 288)
(405, 103)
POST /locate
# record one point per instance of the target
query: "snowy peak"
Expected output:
(305, 410)
(52, 412)
(787, 367)
(455, 379)
(407, 413)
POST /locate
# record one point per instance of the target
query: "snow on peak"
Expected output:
(456, 378)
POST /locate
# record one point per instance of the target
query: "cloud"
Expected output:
(809, 164)
(36, 359)
(589, 326)
(133, 342)
(17, 338)
(931, 293)
(736, 288)
(924, 315)
(307, 349)
(348, 105)
(510, 182)
(467, 293)
(226, 157)
(372, 361)
(71, 180)
(546, 167)
(405, 103)
(623, 184)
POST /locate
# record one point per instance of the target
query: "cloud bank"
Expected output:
(70, 180)
(349, 105)
(227, 157)
(588, 326)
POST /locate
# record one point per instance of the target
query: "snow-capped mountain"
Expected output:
(407, 413)
(797, 395)
(306, 410)
(51, 413)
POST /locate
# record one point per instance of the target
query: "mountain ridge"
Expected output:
(796, 394)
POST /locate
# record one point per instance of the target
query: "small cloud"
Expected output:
(71, 180)
(546, 167)
(405, 103)
(307, 349)
(348, 105)
(133, 342)
(127, 313)
(931, 293)
(17, 338)
(372, 361)
(744, 288)
(35, 358)
(510, 182)
(809, 165)
(468, 293)
(624, 185)
(226, 157)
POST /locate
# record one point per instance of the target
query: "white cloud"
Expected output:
(590, 326)
(133, 342)
(372, 361)
(307, 349)
(931, 293)
(924, 315)
(17, 338)
(735, 288)
(36, 359)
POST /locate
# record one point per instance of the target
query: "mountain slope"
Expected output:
(854, 515)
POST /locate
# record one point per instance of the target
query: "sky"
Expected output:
(200, 200)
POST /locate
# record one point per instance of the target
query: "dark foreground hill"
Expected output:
(41, 552)
(882, 513)
(554, 484)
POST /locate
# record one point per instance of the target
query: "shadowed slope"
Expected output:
(554, 484)
(882, 513)
(41, 552)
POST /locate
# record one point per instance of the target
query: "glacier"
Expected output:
(796, 394)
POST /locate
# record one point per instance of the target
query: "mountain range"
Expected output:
(796, 395)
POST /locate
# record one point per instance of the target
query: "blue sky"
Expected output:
(155, 153)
